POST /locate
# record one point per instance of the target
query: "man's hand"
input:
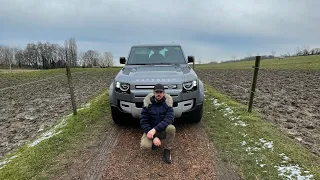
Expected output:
(156, 141)
(151, 133)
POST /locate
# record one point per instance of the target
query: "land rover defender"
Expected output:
(147, 65)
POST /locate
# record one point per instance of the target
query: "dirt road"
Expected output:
(118, 156)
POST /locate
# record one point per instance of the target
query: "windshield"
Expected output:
(156, 55)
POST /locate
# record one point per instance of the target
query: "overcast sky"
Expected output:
(210, 30)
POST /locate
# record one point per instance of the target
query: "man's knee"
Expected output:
(145, 142)
(170, 129)
(145, 146)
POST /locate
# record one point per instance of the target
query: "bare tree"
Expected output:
(233, 57)
(6, 56)
(91, 58)
(298, 51)
(306, 50)
(20, 60)
(71, 51)
(315, 51)
(81, 60)
(108, 58)
(273, 52)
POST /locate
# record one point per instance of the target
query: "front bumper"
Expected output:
(182, 109)
(178, 108)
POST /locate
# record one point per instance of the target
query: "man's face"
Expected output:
(159, 94)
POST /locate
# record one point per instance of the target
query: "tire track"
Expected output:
(90, 164)
(97, 164)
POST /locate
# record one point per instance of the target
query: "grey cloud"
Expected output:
(278, 24)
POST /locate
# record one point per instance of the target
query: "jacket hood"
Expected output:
(147, 101)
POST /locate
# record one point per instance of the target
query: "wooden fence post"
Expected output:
(74, 106)
(254, 82)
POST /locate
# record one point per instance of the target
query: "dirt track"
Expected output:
(27, 110)
(289, 99)
(118, 156)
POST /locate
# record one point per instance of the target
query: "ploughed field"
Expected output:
(290, 99)
(31, 103)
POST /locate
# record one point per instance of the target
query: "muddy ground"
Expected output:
(289, 99)
(28, 109)
(118, 156)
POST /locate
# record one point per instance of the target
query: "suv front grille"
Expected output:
(166, 86)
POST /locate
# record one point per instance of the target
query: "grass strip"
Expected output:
(256, 147)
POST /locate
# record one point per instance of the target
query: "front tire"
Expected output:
(196, 115)
(117, 116)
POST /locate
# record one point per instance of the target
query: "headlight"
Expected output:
(189, 85)
(122, 86)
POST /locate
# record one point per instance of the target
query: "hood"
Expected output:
(147, 101)
(156, 74)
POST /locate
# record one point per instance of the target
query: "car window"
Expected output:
(153, 55)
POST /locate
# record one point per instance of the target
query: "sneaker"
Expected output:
(167, 156)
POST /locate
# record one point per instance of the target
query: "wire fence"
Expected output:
(288, 98)
(29, 108)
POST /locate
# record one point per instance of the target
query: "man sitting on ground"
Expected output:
(156, 121)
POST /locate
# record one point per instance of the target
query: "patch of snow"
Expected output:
(84, 107)
(262, 140)
(266, 144)
(46, 135)
(261, 165)
(3, 164)
(252, 149)
(292, 171)
(52, 132)
(240, 123)
(244, 135)
(248, 149)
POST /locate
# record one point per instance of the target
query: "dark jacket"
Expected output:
(156, 114)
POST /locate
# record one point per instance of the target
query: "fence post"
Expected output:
(254, 82)
(74, 106)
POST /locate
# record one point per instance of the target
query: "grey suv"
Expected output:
(147, 65)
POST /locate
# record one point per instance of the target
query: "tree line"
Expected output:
(303, 51)
(49, 56)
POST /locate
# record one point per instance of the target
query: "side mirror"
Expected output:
(122, 60)
(190, 59)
